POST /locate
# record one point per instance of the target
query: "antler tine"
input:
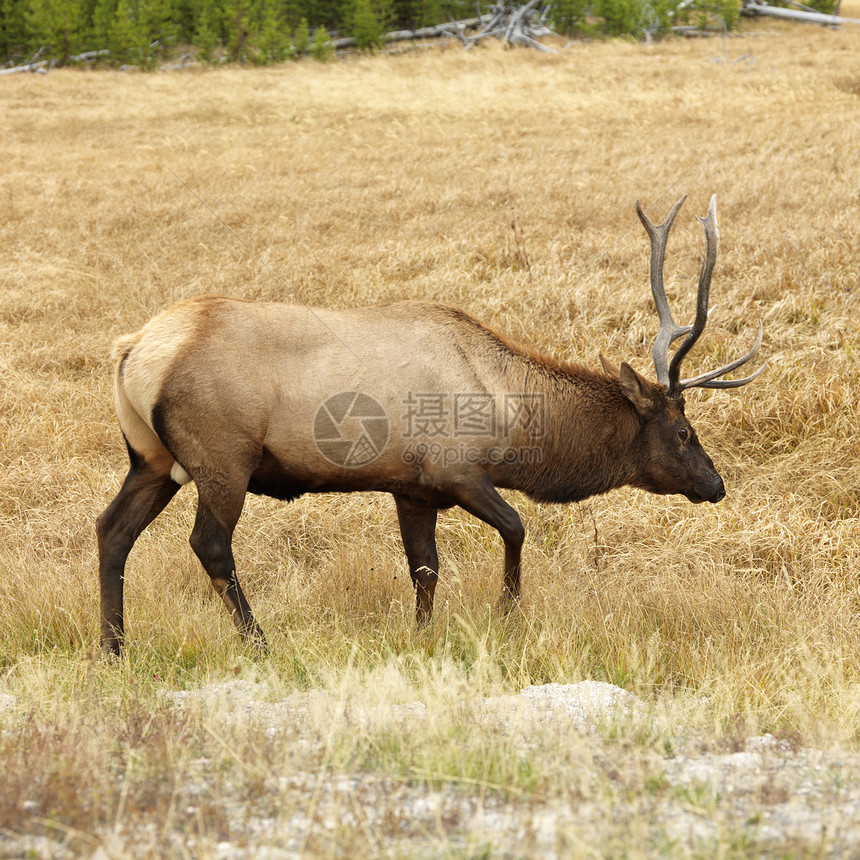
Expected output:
(711, 378)
(712, 239)
(668, 373)
(669, 330)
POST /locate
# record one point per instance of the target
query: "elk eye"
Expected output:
(683, 434)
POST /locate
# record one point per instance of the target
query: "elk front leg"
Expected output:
(482, 500)
(418, 531)
(142, 497)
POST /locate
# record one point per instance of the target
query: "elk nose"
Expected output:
(719, 492)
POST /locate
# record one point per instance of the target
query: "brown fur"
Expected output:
(229, 394)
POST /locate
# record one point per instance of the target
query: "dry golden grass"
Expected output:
(502, 181)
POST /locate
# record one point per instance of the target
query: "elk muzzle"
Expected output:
(709, 489)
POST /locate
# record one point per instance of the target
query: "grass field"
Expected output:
(503, 182)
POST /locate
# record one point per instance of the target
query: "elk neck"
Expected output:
(591, 441)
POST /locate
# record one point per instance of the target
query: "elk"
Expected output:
(415, 399)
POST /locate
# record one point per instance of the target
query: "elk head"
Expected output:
(675, 460)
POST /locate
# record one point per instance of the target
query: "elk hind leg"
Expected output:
(211, 540)
(418, 531)
(143, 496)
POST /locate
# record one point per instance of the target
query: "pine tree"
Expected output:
(186, 16)
(125, 40)
(238, 15)
(273, 42)
(568, 16)
(157, 29)
(620, 17)
(104, 13)
(290, 12)
(422, 13)
(206, 34)
(321, 47)
(57, 26)
(13, 29)
(366, 29)
(301, 38)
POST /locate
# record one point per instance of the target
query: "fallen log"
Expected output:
(437, 31)
(754, 8)
(40, 66)
(515, 25)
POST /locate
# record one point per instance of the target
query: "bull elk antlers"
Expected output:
(669, 372)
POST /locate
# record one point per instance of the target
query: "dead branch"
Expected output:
(515, 25)
(754, 8)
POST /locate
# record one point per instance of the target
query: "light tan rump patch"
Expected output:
(143, 361)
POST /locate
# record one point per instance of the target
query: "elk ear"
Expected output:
(609, 368)
(635, 388)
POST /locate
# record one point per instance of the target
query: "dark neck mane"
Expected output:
(589, 428)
